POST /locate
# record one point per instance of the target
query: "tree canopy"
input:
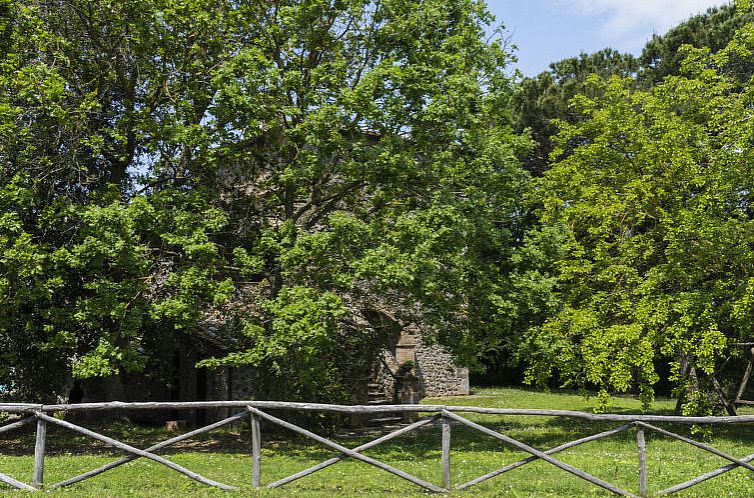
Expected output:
(654, 204)
(310, 177)
(546, 97)
(306, 171)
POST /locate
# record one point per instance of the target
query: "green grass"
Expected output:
(224, 456)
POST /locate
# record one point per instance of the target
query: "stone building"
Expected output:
(407, 372)
(413, 370)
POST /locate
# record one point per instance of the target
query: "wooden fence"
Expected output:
(442, 415)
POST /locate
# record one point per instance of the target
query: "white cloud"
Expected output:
(628, 19)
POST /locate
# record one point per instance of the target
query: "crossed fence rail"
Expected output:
(442, 415)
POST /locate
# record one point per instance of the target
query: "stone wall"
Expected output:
(437, 374)
(432, 371)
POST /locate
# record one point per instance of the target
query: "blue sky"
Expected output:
(546, 31)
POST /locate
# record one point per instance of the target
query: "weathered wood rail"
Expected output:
(438, 415)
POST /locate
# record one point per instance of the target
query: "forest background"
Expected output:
(311, 173)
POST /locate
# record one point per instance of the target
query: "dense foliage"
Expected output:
(654, 207)
(546, 98)
(309, 177)
(310, 174)
(714, 29)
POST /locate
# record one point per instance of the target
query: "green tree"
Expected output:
(97, 101)
(546, 98)
(373, 182)
(655, 208)
(308, 172)
(714, 29)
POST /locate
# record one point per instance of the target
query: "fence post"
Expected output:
(446, 452)
(256, 448)
(39, 454)
(642, 448)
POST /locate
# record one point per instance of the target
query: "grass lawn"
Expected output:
(224, 456)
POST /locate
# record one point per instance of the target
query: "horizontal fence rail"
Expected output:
(440, 415)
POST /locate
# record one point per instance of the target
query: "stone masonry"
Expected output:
(414, 370)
